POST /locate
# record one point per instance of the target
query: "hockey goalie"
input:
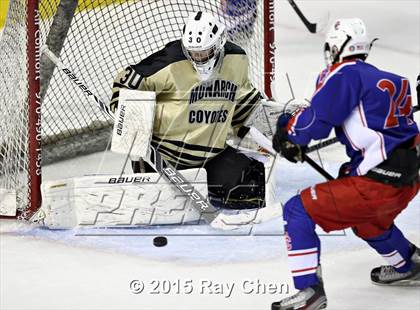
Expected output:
(202, 94)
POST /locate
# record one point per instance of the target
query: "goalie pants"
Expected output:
(367, 206)
(234, 180)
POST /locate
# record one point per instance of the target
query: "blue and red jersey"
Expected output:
(369, 109)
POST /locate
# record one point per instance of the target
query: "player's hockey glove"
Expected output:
(281, 143)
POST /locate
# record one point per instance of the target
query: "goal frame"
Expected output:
(269, 47)
(34, 93)
(33, 99)
(34, 107)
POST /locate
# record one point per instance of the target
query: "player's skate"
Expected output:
(311, 298)
(387, 275)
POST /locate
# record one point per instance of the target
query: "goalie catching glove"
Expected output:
(281, 143)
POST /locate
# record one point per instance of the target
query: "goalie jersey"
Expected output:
(192, 117)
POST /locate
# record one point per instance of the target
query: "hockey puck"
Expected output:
(160, 241)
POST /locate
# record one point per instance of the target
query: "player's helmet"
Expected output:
(203, 40)
(347, 37)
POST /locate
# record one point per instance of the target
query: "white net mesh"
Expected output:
(104, 36)
(13, 103)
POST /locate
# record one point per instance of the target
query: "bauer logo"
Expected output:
(186, 188)
(77, 82)
(121, 120)
(388, 173)
(130, 180)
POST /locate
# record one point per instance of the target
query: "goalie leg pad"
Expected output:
(119, 200)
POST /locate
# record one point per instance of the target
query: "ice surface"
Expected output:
(92, 269)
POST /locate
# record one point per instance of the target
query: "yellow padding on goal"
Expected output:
(49, 7)
(3, 12)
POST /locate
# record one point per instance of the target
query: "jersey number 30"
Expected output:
(399, 107)
(132, 79)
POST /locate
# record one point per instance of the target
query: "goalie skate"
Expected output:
(387, 275)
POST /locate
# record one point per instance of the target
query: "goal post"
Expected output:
(34, 111)
(96, 39)
(20, 111)
(269, 48)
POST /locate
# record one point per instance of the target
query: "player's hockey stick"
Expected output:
(261, 125)
(262, 140)
(310, 26)
(317, 167)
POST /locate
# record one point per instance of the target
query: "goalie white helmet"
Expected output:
(203, 40)
(347, 37)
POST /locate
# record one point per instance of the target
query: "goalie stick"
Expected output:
(200, 203)
(104, 108)
(312, 27)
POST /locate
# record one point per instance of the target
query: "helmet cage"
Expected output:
(205, 62)
(202, 57)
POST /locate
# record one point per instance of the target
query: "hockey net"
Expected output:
(96, 39)
(20, 110)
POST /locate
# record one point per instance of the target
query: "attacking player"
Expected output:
(372, 115)
(202, 92)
